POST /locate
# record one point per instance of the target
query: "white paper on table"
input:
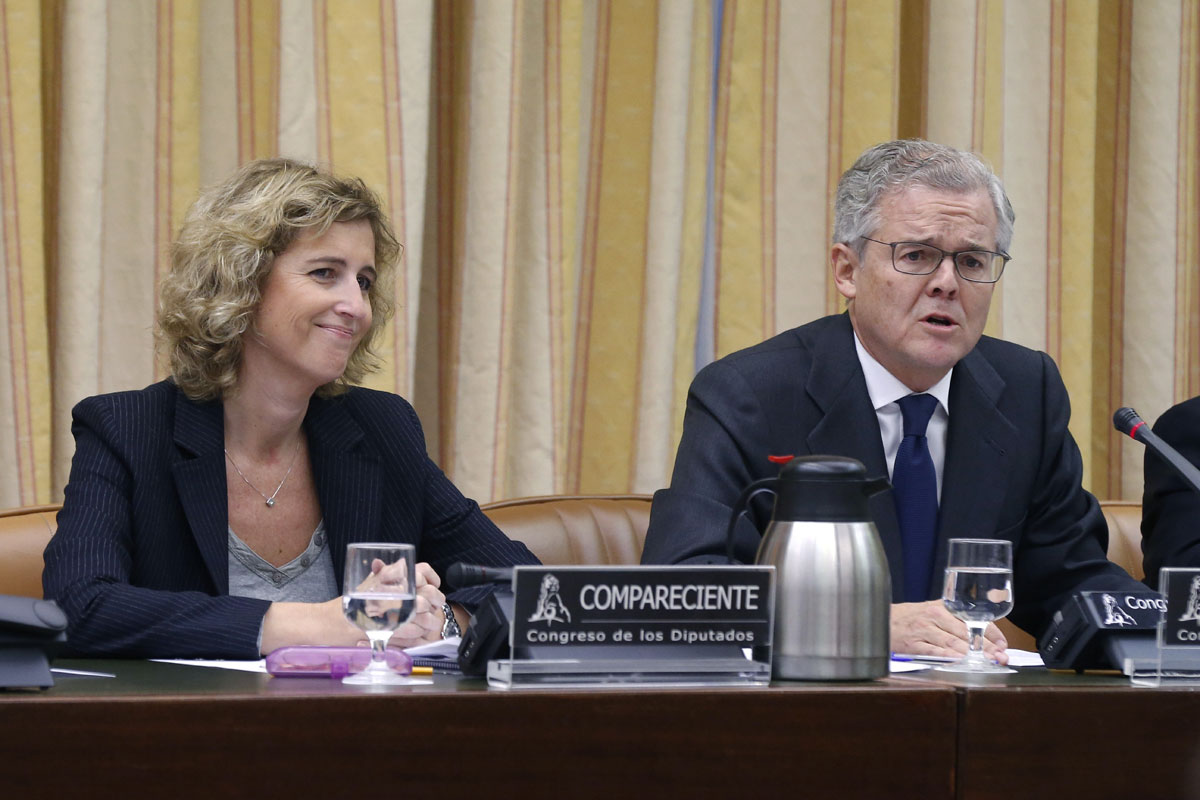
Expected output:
(445, 648)
(241, 666)
(1024, 658)
(1016, 658)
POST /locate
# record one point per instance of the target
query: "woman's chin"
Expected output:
(329, 377)
(316, 378)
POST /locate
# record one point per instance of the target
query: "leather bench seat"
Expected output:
(24, 534)
(576, 530)
(585, 529)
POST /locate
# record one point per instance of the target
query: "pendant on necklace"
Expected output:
(270, 502)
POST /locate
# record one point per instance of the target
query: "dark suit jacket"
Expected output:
(1170, 507)
(140, 559)
(1012, 470)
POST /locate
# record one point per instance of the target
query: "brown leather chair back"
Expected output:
(610, 529)
(24, 534)
(585, 529)
(559, 530)
(1124, 519)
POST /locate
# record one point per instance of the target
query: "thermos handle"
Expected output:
(748, 494)
(877, 485)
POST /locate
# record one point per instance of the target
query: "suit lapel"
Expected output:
(349, 478)
(975, 475)
(850, 427)
(200, 481)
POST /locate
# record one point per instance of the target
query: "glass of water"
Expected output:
(379, 595)
(978, 590)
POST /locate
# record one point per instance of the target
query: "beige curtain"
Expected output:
(596, 197)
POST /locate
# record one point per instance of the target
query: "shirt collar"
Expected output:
(885, 388)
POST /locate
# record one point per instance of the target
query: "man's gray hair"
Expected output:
(912, 162)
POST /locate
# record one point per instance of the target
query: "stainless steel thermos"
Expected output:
(832, 584)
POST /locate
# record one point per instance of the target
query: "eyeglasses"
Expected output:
(916, 258)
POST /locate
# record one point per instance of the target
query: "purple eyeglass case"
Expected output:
(329, 662)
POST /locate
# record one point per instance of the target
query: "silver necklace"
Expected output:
(269, 500)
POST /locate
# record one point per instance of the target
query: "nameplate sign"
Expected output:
(1125, 611)
(1181, 624)
(605, 606)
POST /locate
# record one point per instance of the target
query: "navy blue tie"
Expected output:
(914, 482)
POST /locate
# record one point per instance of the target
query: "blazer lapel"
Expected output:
(850, 427)
(200, 482)
(349, 478)
(975, 475)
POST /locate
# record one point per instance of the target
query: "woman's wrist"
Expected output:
(462, 617)
(307, 624)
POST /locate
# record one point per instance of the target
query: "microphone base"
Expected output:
(1140, 655)
(1095, 629)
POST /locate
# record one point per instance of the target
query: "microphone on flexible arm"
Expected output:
(1102, 629)
(1127, 421)
(460, 575)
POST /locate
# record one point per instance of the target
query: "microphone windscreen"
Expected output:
(1125, 420)
(460, 575)
(457, 575)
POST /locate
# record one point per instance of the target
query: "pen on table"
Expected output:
(448, 666)
(84, 672)
(918, 658)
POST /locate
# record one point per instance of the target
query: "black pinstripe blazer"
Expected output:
(140, 559)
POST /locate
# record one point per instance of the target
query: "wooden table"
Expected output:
(163, 730)
(1046, 734)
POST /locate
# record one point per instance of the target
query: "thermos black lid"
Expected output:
(824, 489)
(829, 468)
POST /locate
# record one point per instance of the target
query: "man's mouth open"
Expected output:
(939, 321)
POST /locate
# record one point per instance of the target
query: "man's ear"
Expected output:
(845, 266)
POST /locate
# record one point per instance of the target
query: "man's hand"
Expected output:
(928, 629)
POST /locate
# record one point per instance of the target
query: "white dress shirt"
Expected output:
(885, 389)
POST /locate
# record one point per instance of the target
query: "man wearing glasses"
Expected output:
(972, 431)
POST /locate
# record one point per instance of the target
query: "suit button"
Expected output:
(277, 578)
(304, 561)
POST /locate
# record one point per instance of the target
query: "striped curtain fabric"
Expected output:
(596, 198)
(25, 457)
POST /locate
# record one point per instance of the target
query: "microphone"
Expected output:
(461, 575)
(1117, 629)
(1127, 421)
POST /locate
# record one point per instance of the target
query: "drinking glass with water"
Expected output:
(379, 595)
(978, 590)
